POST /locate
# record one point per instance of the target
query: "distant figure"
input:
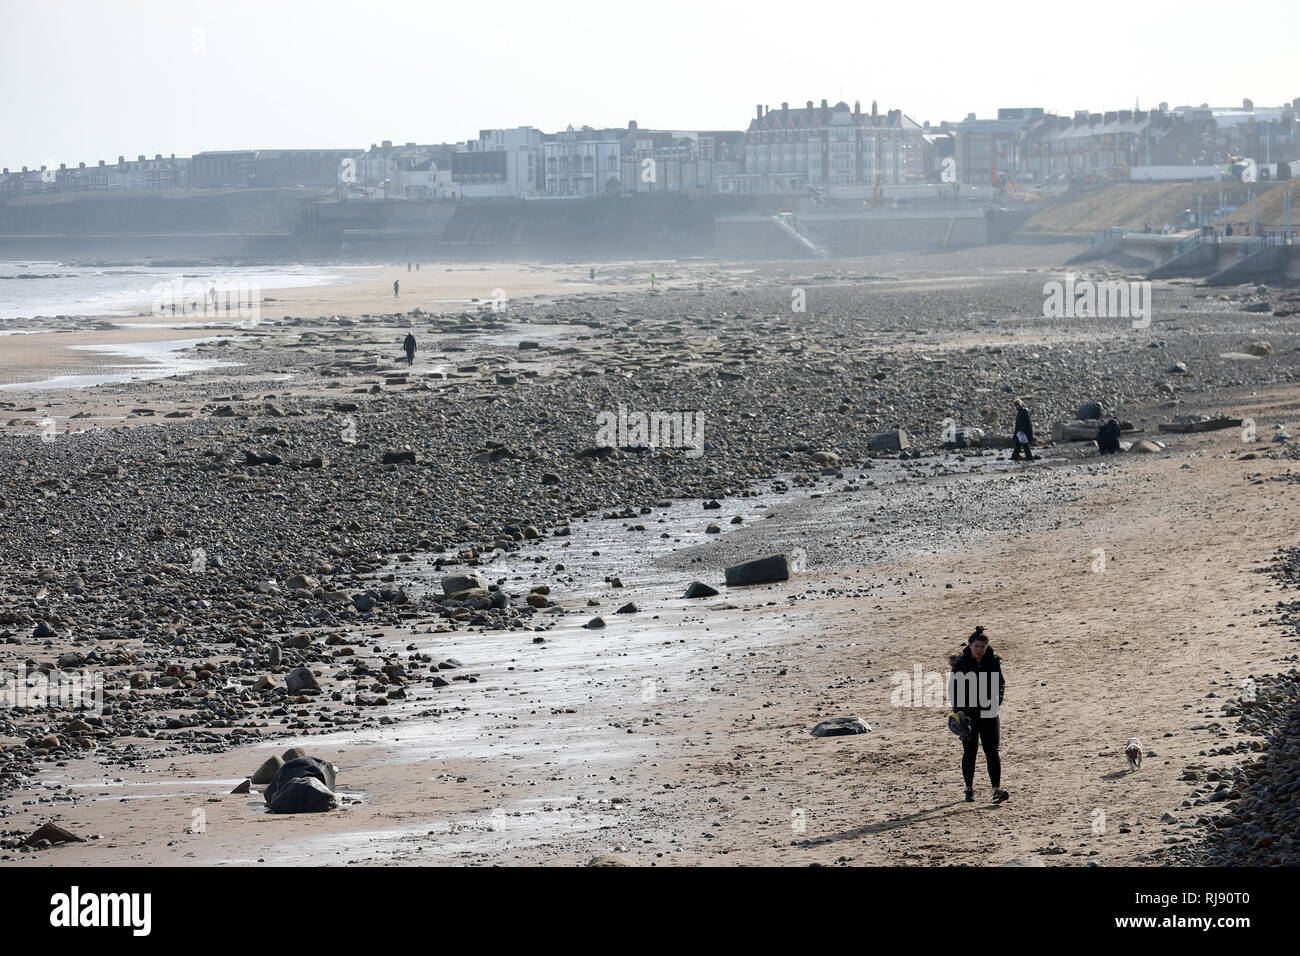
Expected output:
(1227, 230)
(1108, 437)
(652, 280)
(593, 273)
(408, 346)
(1024, 433)
(408, 267)
(417, 267)
(394, 288)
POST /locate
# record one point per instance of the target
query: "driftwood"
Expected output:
(1213, 425)
(1082, 430)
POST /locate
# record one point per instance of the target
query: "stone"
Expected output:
(302, 795)
(1089, 410)
(776, 567)
(266, 773)
(299, 768)
(1259, 347)
(398, 458)
(455, 583)
(300, 679)
(1145, 446)
(54, 834)
(1024, 861)
(595, 623)
(609, 859)
(629, 608)
(698, 589)
(245, 787)
(841, 727)
(896, 440)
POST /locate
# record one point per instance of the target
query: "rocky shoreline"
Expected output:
(271, 526)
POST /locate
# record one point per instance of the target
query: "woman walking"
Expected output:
(1024, 436)
(976, 683)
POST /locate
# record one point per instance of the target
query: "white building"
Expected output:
(582, 164)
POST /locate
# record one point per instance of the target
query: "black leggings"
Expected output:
(983, 730)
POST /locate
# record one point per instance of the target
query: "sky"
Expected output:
(85, 80)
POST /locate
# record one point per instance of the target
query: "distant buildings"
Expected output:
(789, 150)
(830, 150)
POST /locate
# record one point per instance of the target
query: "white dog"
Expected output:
(1133, 751)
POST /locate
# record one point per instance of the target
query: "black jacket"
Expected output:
(408, 343)
(1023, 424)
(965, 663)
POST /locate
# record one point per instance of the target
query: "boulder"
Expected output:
(776, 567)
(455, 583)
(1259, 348)
(698, 589)
(304, 785)
(266, 773)
(302, 795)
(1089, 410)
(609, 859)
(841, 727)
(300, 679)
(897, 440)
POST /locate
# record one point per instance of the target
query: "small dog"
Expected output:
(1133, 751)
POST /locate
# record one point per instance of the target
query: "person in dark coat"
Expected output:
(975, 681)
(1024, 433)
(408, 346)
(1108, 437)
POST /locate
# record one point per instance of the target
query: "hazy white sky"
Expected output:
(85, 80)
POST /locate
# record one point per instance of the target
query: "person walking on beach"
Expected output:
(1024, 433)
(976, 681)
(408, 346)
(394, 288)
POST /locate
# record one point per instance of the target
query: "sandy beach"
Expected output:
(676, 733)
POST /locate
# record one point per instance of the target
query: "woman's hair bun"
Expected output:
(979, 633)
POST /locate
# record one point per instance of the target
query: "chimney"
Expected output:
(24, 169)
(857, 108)
(388, 144)
(101, 163)
(81, 165)
(875, 113)
(1164, 107)
(825, 105)
(631, 126)
(760, 110)
(157, 155)
(810, 106)
(121, 160)
(1247, 104)
(63, 167)
(785, 107)
(140, 158)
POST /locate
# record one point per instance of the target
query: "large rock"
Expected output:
(776, 567)
(300, 679)
(967, 436)
(304, 785)
(1259, 348)
(698, 589)
(302, 795)
(1145, 447)
(1089, 410)
(841, 727)
(455, 583)
(896, 440)
(266, 773)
